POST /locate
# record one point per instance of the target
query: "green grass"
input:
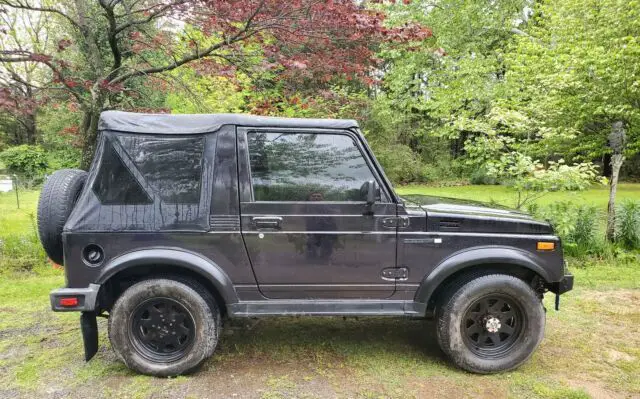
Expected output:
(14, 220)
(591, 346)
(41, 352)
(597, 195)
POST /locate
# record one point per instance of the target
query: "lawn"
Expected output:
(14, 220)
(598, 195)
(591, 348)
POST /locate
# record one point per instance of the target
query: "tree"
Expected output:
(531, 180)
(19, 93)
(445, 90)
(575, 77)
(110, 46)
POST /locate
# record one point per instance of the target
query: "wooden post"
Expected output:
(15, 187)
(617, 142)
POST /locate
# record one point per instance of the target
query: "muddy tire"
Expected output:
(57, 199)
(491, 323)
(164, 327)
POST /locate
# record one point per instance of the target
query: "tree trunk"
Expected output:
(616, 163)
(89, 132)
(29, 123)
(606, 166)
(617, 141)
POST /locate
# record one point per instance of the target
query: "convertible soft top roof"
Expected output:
(205, 123)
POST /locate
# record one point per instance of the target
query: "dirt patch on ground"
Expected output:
(334, 358)
(596, 389)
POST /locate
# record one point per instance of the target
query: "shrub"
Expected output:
(63, 159)
(628, 225)
(577, 226)
(531, 180)
(29, 162)
(21, 252)
(480, 176)
(400, 163)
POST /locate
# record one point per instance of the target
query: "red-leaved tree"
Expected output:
(106, 47)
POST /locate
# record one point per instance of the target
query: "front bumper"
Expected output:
(562, 286)
(87, 298)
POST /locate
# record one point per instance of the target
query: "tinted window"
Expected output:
(172, 167)
(306, 167)
(115, 184)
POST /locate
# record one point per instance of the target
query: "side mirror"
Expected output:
(372, 192)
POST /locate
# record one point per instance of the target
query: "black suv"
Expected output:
(183, 220)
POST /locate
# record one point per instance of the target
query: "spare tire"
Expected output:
(57, 199)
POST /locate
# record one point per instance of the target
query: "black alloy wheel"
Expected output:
(163, 330)
(164, 326)
(492, 325)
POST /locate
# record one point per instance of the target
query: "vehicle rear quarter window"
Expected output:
(114, 184)
(169, 169)
(306, 167)
(172, 167)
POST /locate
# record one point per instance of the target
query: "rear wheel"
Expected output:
(164, 327)
(491, 323)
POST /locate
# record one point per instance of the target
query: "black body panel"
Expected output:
(292, 257)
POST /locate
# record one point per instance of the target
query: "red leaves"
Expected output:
(110, 87)
(63, 44)
(310, 39)
(15, 101)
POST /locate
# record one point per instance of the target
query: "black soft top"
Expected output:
(204, 123)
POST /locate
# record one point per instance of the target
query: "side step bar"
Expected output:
(312, 307)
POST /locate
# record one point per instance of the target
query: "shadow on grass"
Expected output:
(365, 342)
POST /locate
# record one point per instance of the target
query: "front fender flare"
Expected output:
(473, 257)
(167, 256)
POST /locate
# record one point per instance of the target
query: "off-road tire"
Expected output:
(57, 199)
(453, 319)
(195, 299)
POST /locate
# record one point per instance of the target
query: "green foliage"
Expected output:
(401, 165)
(480, 176)
(29, 162)
(20, 251)
(574, 73)
(531, 179)
(577, 226)
(628, 224)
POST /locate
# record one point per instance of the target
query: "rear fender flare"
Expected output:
(174, 257)
(474, 257)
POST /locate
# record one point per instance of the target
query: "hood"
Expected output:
(459, 215)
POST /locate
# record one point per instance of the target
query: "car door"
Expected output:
(304, 215)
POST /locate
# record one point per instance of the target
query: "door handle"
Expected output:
(266, 222)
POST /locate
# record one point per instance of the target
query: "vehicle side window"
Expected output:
(306, 167)
(171, 169)
(171, 166)
(114, 184)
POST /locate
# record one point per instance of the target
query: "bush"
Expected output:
(21, 252)
(29, 162)
(628, 225)
(63, 159)
(577, 226)
(480, 176)
(401, 164)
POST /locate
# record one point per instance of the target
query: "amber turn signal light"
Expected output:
(546, 246)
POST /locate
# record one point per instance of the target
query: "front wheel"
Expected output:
(491, 323)
(164, 327)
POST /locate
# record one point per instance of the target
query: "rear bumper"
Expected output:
(562, 286)
(86, 297)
